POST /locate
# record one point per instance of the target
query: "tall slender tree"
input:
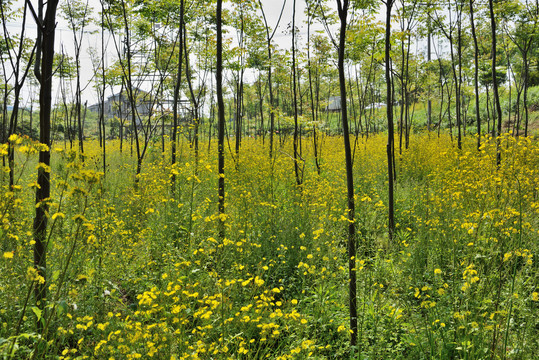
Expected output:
(311, 9)
(524, 36)
(44, 71)
(299, 177)
(19, 72)
(175, 123)
(498, 107)
(476, 74)
(220, 120)
(102, 91)
(269, 38)
(77, 13)
(390, 126)
(342, 6)
(136, 44)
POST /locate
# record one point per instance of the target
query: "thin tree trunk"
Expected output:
(458, 79)
(525, 99)
(19, 82)
(295, 96)
(221, 121)
(429, 102)
(194, 99)
(495, 85)
(351, 248)
(311, 95)
(174, 141)
(132, 97)
(390, 126)
(270, 84)
(476, 76)
(44, 75)
(104, 85)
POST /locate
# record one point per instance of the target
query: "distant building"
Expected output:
(377, 105)
(334, 104)
(94, 107)
(119, 105)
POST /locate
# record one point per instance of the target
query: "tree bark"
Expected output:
(390, 125)
(220, 121)
(476, 76)
(495, 83)
(18, 84)
(351, 248)
(174, 140)
(295, 97)
(46, 32)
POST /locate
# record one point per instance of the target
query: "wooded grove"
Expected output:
(270, 179)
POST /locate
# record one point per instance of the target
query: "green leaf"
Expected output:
(55, 275)
(62, 307)
(37, 311)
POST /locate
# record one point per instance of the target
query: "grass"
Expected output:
(143, 274)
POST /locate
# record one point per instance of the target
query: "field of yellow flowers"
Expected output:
(139, 272)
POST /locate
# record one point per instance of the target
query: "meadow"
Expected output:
(141, 272)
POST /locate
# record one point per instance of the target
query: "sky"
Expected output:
(64, 40)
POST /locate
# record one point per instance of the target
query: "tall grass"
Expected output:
(140, 274)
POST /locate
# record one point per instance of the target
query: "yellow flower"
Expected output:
(45, 167)
(8, 255)
(437, 271)
(33, 275)
(535, 296)
(441, 291)
(58, 214)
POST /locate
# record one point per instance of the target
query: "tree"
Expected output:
(118, 16)
(390, 126)
(407, 19)
(174, 140)
(365, 50)
(299, 178)
(269, 38)
(526, 21)
(495, 85)
(17, 55)
(220, 121)
(139, 31)
(476, 75)
(239, 17)
(76, 12)
(311, 10)
(351, 247)
(66, 70)
(43, 71)
(455, 59)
